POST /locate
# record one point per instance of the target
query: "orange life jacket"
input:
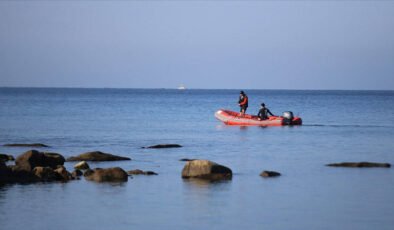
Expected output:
(244, 101)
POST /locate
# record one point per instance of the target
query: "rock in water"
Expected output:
(76, 173)
(150, 173)
(35, 166)
(5, 173)
(205, 169)
(29, 160)
(107, 175)
(360, 165)
(140, 172)
(13, 174)
(54, 159)
(97, 156)
(186, 159)
(33, 158)
(5, 157)
(63, 174)
(45, 173)
(88, 173)
(3, 166)
(37, 145)
(162, 146)
(81, 165)
(135, 172)
(269, 174)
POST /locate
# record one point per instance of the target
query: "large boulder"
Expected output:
(360, 165)
(106, 175)
(34, 145)
(33, 158)
(163, 146)
(54, 159)
(97, 156)
(29, 160)
(205, 169)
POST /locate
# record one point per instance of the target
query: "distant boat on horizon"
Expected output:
(181, 87)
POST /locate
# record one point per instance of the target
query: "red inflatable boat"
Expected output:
(234, 118)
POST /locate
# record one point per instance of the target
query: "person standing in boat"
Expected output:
(243, 102)
(263, 112)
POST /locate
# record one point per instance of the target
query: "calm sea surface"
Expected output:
(338, 126)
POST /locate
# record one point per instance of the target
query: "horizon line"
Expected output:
(164, 88)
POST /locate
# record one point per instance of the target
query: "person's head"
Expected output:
(262, 105)
(242, 93)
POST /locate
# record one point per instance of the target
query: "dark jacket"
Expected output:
(263, 113)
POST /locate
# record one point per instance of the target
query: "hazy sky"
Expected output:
(202, 44)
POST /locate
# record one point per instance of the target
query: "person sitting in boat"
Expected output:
(243, 102)
(263, 112)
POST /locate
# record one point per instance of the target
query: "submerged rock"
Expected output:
(186, 159)
(33, 158)
(150, 173)
(162, 146)
(140, 172)
(106, 175)
(97, 156)
(360, 165)
(38, 145)
(81, 165)
(205, 169)
(269, 174)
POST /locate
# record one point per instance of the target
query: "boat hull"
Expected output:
(233, 118)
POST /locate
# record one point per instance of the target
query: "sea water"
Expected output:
(337, 126)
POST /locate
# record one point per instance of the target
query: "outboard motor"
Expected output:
(288, 117)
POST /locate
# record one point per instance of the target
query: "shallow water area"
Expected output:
(338, 126)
